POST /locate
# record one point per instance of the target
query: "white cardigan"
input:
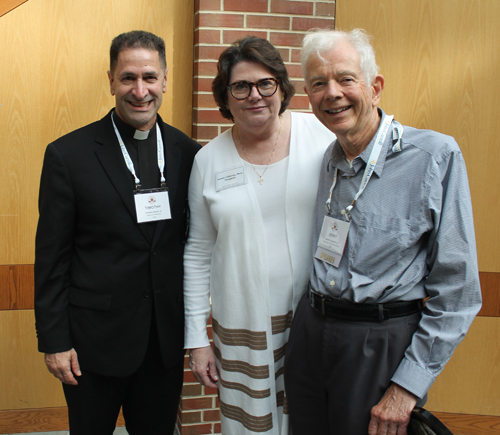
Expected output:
(225, 257)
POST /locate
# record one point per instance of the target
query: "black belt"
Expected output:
(362, 312)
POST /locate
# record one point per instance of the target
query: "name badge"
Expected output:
(332, 240)
(230, 178)
(152, 205)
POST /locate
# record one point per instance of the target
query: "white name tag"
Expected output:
(230, 178)
(332, 240)
(152, 206)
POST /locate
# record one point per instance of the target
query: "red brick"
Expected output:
(204, 101)
(245, 6)
(312, 23)
(205, 69)
(202, 84)
(230, 36)
(189, 377)
(299, 86)
(287, 39)
(186, 363)
(217, 428)
(208, 390)
(222, 130)
(191, 417)
(221, 20)
(189, 389)
(213, 415)
(207, 5)
(210, 332)
(285, 54)
(205, 132)
(207, 36)
(209, 116)
(197, 429)
(198, 403)
(268, 22)
(294, 70)
(325, 9)
(296, 53)
(299, 102)
(208, 52)
(292, 7)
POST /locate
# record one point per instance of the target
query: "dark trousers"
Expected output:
(150, 398)
(337, 370)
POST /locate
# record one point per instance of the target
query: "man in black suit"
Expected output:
(109, 247)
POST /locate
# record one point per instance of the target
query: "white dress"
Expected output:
(250, 254)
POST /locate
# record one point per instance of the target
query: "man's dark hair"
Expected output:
(250, 49)
(136, 39)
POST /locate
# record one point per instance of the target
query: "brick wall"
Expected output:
(218, 23)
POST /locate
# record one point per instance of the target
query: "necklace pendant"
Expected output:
(261, 181)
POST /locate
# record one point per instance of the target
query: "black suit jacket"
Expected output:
(97, 276)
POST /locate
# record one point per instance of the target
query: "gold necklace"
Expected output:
(260, 180)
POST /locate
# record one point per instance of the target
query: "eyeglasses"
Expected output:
(265, 87)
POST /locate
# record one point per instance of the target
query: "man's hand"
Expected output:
(202, 363)
(64, 366)
(392, 414)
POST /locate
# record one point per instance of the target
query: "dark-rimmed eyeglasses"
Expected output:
(265, 87)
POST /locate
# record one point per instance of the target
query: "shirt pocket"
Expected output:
(378, 244)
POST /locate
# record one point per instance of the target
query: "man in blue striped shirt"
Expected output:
(393, 228)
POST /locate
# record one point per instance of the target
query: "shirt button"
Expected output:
(332, 283)
(147, 294)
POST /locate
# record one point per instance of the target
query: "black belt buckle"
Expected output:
(314, 299)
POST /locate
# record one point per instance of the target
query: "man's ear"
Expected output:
(111, 80)
(378, 87)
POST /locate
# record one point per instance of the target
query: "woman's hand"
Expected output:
(202, 363)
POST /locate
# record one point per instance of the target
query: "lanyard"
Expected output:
(370, 167)
(128, 160)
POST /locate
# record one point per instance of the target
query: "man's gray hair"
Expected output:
(320, 40)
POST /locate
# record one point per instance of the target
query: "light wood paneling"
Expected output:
(441, 62)
(53, 73)
(26, 382)
(469, 384)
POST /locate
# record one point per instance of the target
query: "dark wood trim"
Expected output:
(490, 287)
(17, 287)
(38, 420)
(468, 424)
(8, 5)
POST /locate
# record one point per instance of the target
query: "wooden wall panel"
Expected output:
(55, 55)
(26, 382)
(469, 384)
(53, 72)
(441, 62)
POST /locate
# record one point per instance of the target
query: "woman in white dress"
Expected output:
(252, 195)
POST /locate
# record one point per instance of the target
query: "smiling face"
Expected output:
(138, 83)
(339, 95)
(255, 110)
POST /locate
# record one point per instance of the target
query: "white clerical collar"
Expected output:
(141, 135)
